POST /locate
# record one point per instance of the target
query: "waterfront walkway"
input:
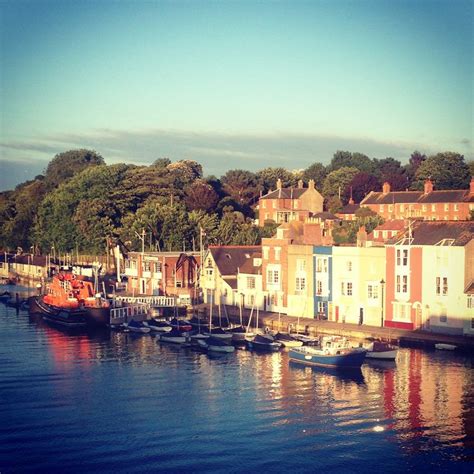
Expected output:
(314, 327)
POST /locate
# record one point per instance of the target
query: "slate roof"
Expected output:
(349, 209)
(249, 267)
(230, 258)
(285, 193)
(408, 197)
(435, 232)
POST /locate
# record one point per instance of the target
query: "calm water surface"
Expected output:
(111, 401)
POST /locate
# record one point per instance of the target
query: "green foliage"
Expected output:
(161, 162)
(346, 159)
(241, 185)
(201, 195)
(447, 170)
(337, 181)
(65, 165)
(268, 177)
(470, 164)
(346, 233)
(318, 173)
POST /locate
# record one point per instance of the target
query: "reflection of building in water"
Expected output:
(423, 398)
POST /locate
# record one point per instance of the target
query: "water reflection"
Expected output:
(420, 407)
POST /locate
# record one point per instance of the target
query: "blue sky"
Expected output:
(233, 84)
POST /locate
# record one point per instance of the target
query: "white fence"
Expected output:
(138, 312)
(155, 301)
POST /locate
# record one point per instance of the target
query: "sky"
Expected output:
(233, 84)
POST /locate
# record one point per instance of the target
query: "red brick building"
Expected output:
(289, 204)
(429, 204)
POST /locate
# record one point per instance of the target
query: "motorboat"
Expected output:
(157, 325)
(306, 340)
(137, 326)
(381, 350)
(287, 340)
(334, 351)
(263, 342)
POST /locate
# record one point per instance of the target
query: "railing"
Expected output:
(156, 301)
(138, 312)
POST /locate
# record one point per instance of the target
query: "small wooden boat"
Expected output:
(137, 326)
(180, 325)
(157, 325)
(214, 344)
(174, 336)
(381, 350)
(445, 347)
(219, 333)
(333, 352)
(263, 342)
(287, 340)
(239, 334)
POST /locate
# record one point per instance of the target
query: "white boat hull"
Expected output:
(220, 348)
(290, 343)
(173, 339)
(385, 355)
(225, 337)
(241, 336)
(142, 330)
(445, 347)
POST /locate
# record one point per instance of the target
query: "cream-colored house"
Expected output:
(300, 281)
(358, 275)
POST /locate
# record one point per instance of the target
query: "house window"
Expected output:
(470, 301)
(423, 207)
(381, 207)
(146, 266)
(273, 277)
(390, 207)
(300, 284)
(127, 263)
(343, 289)
(472, 323)
(209, 272)
(401, 311)
(250, 283)
(456, 207)
(398, 283)
(376, 234)
(441, 286)
(265, 253)
(179, 284)
(372, 291)
(319, 287)
(384, 234)
(322, 265)
(446, 207)
(402, 207)
(277, 253)
(349, 266)
(405, 258)
(349, 288)
(398, 257)
(274, 203)
(264, 204)
(134, 264)
(445, 285)
(300, 265)
(321, 307)
(433, 207)
(404, 284)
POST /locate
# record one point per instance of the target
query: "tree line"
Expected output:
(82, 204)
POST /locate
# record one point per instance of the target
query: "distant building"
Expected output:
(450, 205)
(221, 266)
(289, 204)
(348, 212)
(386, 231)
(163, 273)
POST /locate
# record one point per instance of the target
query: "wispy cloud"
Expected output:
(216, 151)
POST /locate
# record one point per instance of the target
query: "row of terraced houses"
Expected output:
(414, 271)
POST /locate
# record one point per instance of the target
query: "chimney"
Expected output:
(471, 187)
(351, 201)
(362, 237)
(300, 183)
(279, 183)
(428, 186)
(311, 184)
(386, 188)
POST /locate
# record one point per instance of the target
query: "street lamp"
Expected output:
(382, 284)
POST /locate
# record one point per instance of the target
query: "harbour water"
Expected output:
(116, 402)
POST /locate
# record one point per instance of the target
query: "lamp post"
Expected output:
(382, 284)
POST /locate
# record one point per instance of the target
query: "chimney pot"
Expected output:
(279, 183)
(300, 183)
(311, 184)
(386, 187)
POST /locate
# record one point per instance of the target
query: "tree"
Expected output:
(346, 159)
(447, 170)
(184, 172)
(470, 164)
(69, 163)
(161, 162)
(200, 195)
(316, 172)
(416, 159)
(361, 185)
(268, 177)
(240, 185)
(337, 181)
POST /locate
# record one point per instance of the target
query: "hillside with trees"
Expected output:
(81, 203)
